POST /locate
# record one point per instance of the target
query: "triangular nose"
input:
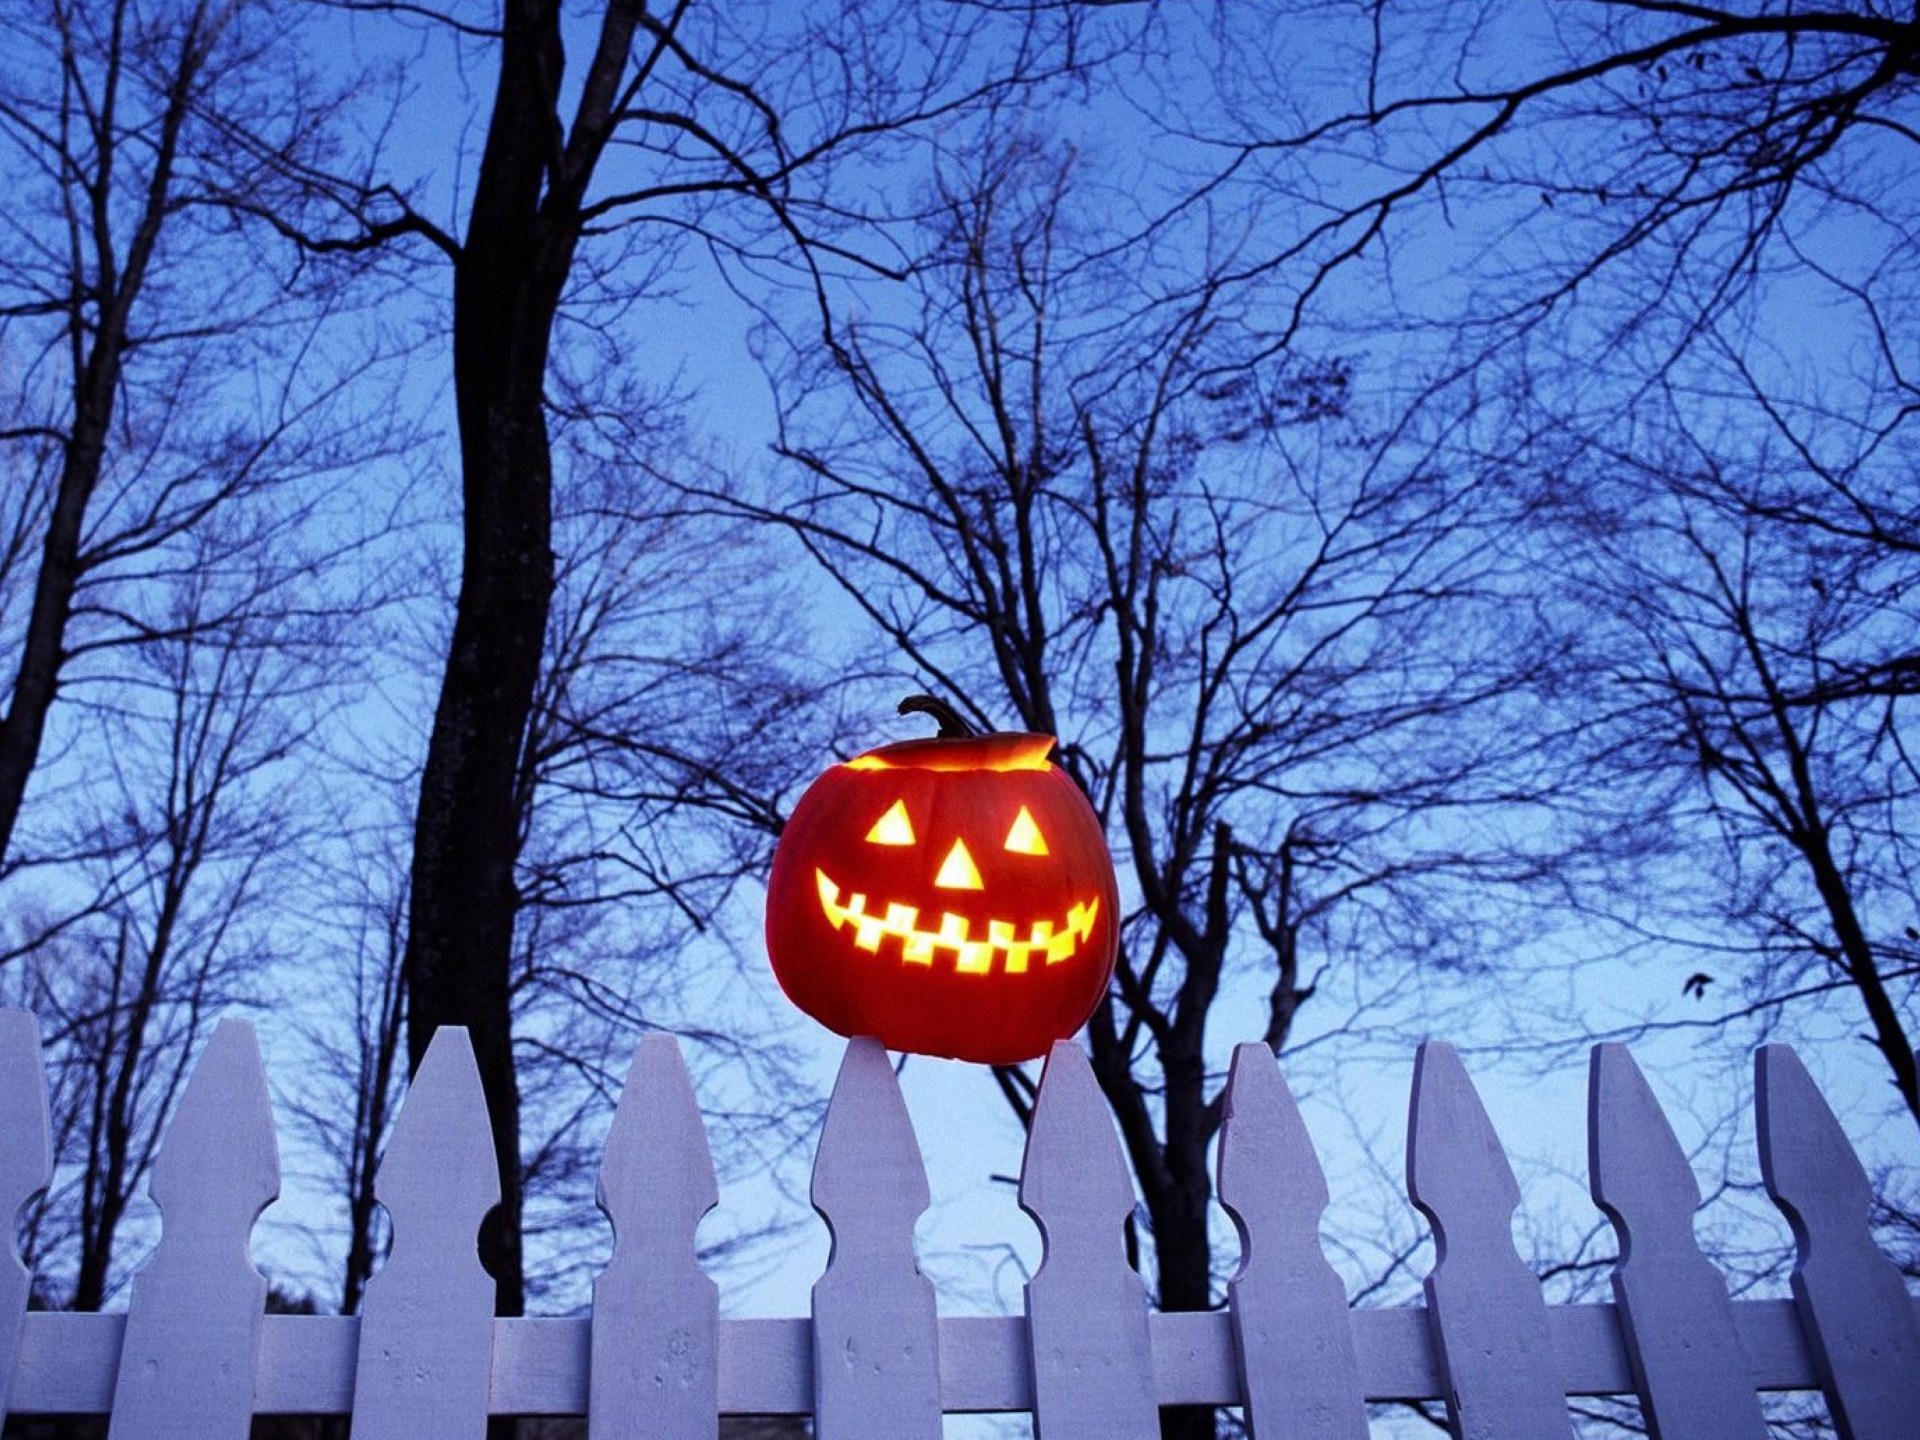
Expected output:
(957, 871)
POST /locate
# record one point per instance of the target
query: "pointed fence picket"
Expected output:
(188, 1354)
(1293, 1341)
(1853, 1303)
(196, 1355)
(1484, 1306)
(26, 1164)
(876, 1336)
(1091, 1351)
(1694, 1380)
(424, 1364)
(656, 1313)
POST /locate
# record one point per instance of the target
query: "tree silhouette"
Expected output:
(719, 128)
(1276, 654)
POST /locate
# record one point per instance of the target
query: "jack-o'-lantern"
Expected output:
(949, 896)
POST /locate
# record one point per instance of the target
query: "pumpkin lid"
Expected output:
(999, 750)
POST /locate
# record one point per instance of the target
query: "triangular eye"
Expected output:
(1025, 837)
(892, 828)
(957, 871)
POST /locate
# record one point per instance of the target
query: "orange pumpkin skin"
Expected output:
(897, 909)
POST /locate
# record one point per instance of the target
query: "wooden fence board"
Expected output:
(68, 1362)
(1194, 1357)
(1852, 1300)
(426, 1330)
(876, 1336)
(1288, 1308)
(766, 1366)
(656, 1313)
(26, 1164)
(1086, 1308)
(1088, 1345)
(984, 1363)
(1489, 1319)
(193, 1322)
(1694, 1380)
(305, 1364)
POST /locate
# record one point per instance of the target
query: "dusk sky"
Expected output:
(1444, 475)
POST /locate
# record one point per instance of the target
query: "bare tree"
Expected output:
(162, 362)
(1283, 656)
(664, 718)
(349, 1095)
(712, 124)
(1657, 256)
(1748, 619)
(181, 406)
(188, 818)
(1700, 140)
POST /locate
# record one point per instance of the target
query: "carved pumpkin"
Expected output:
(950, 896)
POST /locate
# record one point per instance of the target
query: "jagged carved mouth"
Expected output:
(1046, 941)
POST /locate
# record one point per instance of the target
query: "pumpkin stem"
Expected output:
(953, 725)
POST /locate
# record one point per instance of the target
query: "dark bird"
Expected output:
(1696, 985)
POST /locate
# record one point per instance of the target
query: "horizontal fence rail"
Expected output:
(196, 1356)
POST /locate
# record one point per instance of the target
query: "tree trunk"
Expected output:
(460, 940)
(507, 285)
(1173, 1181)
(1889, 1035)
(44, 648)
(1185, 1260)
(369, 1134)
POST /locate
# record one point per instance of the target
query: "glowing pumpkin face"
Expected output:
(950, 896)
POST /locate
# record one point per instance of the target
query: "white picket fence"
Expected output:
(194, 1356)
